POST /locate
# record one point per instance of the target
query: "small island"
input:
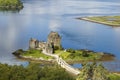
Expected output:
(53, 46)
(113, 21)
(11, 5)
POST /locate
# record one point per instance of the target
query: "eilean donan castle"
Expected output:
(53, 42)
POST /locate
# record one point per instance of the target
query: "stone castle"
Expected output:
(53, 41)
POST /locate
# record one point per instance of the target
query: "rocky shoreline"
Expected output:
(35, 59)
(30, 58)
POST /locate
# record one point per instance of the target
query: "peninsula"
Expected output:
(113, 21)
(11, 5)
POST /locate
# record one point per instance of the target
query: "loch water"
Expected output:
(39, 17)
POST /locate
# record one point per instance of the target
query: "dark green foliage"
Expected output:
(85, 54)
(100, 73)
(93, 71)
(70, 50)
(11, 4)
(73, 55)
(33, 72)
(18, 52)
(77, 53)
(57, 47)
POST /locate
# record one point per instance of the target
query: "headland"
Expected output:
(113, 21)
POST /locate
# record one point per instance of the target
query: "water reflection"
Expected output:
(61, 7)
(55, 24)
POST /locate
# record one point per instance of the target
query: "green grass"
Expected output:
(58, 51)
(77, 56)
(114, 77)
(65, 55)
(108, 20)
(36, 54)
(62, 53)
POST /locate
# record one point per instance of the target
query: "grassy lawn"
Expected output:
(36, 54)
(108, 20)
(114, 77)
(78, 55)
(64, 55)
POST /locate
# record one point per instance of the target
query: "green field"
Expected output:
(114, 76)
(107, 20)
(36, 54)
(78, 55)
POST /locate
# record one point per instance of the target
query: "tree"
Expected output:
(71, 50)
(33, 72)
(100, 73)
(11, 4)
(85, 54)
(92, 71)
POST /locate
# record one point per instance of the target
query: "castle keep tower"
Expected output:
(55, 39)
(33, 43)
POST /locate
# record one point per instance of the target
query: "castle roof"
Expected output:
(53, 35)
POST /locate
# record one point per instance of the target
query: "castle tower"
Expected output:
(55, 39)
(33, 43)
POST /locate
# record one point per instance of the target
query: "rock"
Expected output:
(18, 52)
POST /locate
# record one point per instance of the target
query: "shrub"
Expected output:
(85, 54)
(70, 50)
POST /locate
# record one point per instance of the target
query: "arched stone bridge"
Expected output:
(63, 64)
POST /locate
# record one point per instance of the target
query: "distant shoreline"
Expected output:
(11, 5)
(99, 22)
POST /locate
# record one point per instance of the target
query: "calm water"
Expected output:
(39, 17)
